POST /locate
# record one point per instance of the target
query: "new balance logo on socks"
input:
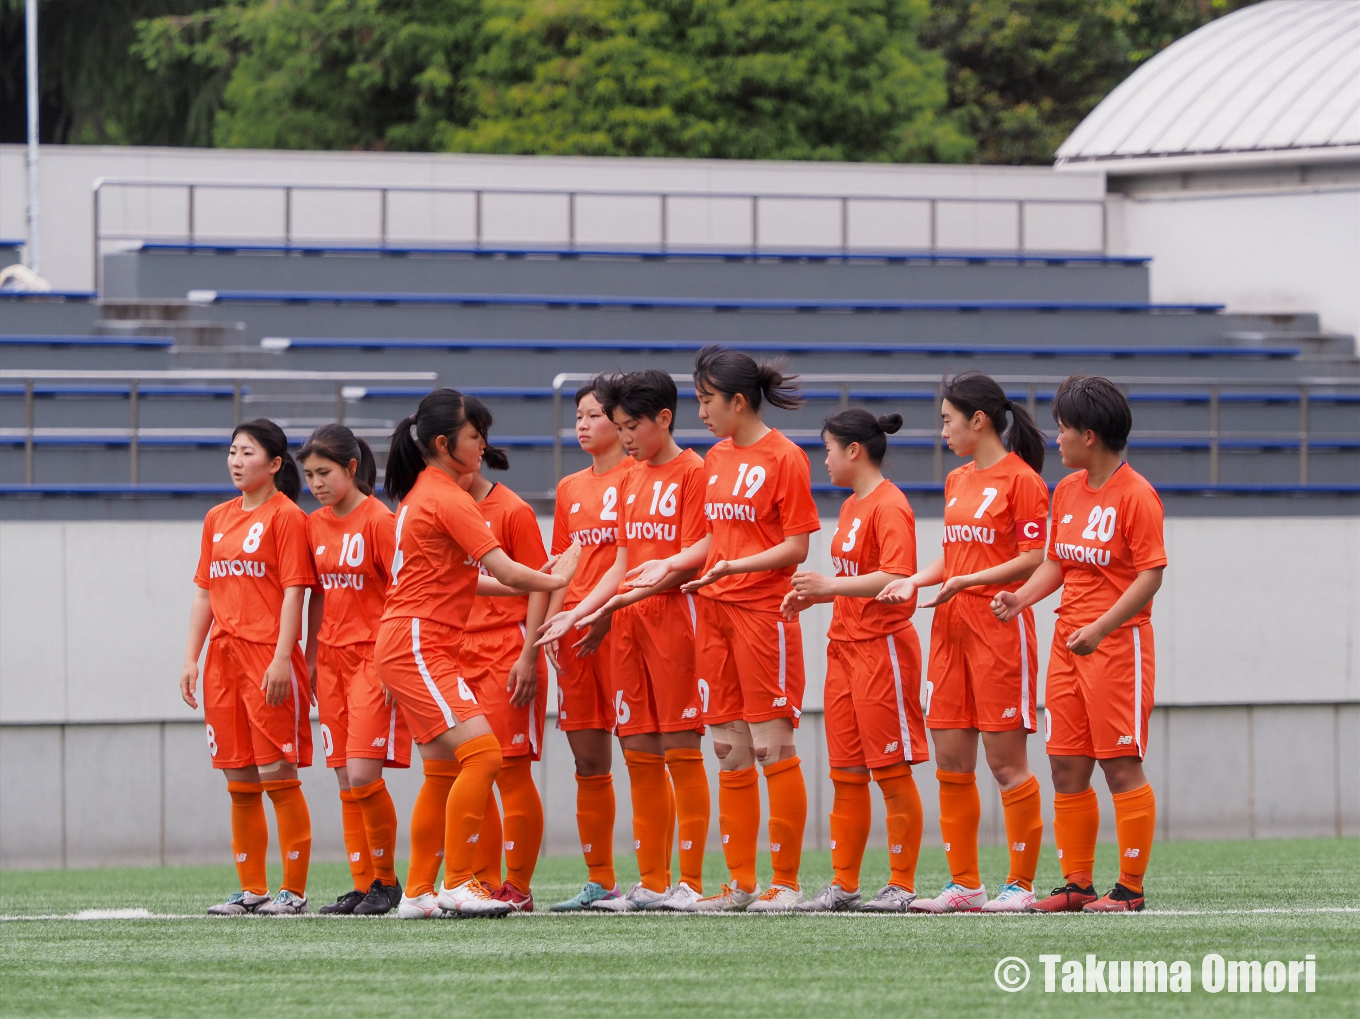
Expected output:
(354, 857)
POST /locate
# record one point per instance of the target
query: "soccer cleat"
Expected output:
(592, 893)
(1117, 900)
(891, 899)
(832, 899)
(953, 899)
(471, 898)
(730, 899)
(380, 899)
(681, 897)
(284, 904)
(422, 907)
(777, 899)
(520, 902)
(1010, 899)
(344, 905)
(637, 897)
(1067, 899)
(239, 904)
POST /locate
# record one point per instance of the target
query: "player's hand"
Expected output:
(1006, 606)
(557, 627)
(522, 683)
(551, 651)
(809, 584)
(1085, 640)
(188, 684)
(947, 590)
(898, 592)
(590, 643)
(565, 564)
(649, 574)
(311, 678)
(720, 569)
(387, 695)
(793, 604)
(277, 683)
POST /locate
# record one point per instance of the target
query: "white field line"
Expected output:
(143, 914)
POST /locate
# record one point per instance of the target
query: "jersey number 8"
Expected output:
(253, 536)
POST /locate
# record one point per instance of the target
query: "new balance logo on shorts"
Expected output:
(1124, 741)
(891, 748)
(690, 713)
(517, 739)
(287, 748)
(1008, 713)
(780, 702)
(379, 741)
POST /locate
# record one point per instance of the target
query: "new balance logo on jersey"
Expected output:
(379, 741)
(595, 536)
(780, 702)
(632, 499)
(575, 507)
(1124, 741)
(952, 501)
(1132, 854)
(891, 748)
(712, 480)
(1008, 713)
(1067, 519)
(729, 511)
(647, 529)
(217, 537)
(970, 532)
(320, 549)
(1081, 553)
(221, 568)
(690, 713)
(517, 739)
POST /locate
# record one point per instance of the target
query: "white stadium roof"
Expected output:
(1275, 82)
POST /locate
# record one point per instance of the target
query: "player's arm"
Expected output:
(278, 678)
(522, 683)
(1042, 582)
(200, 622)
(516, 575)
(671, 571)
(316, 612)
(1022, 567)
(789, 552)
(560, 623)
(1146, 583)
(900, 590)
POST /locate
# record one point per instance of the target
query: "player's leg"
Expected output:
(333, 708)
(522, 806)
(482, 666)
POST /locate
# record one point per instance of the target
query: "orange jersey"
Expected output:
(1102, 539)
(247, 559)
(353, 556)
(991, 516)
(757, 496)
(440, 536)
(874, 533)
(663, 508)
(514, 525)
(588, 512)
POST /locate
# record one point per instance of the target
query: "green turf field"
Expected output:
(1243, 900)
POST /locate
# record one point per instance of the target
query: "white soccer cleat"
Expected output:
(239, 904)
(638, 897)
(730, 899)
(831, 899)
(422, 907)
(284, 904)
(953, 899)
(680, 899)
(471, 899)
(1010, 899)
(891, 899)
(777, 899)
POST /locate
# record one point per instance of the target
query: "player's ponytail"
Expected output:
(275, 445)
(858, 425)
(729, 372)
(973, 391)
(442, 412)
(339, 445)
(480, 418)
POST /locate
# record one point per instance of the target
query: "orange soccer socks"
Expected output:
(427, 826)
(692, 808)
(595, 823)
(739, 824)
(850, 817)
(905, 821)
(249, 835)
(1135, 818)
(960, 815)
(651, 817)
(356, 840)
(788, 819)
(295, 832)
(380, 829)
(479, 761)
(486, 861)
(1024, 831)
(523, 822)
(1076, 822)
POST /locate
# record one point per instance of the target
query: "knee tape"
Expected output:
(777, 732)
(734, 734)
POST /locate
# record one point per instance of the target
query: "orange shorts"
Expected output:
(1098, 705)
(485, 661)
(873, 702)
(417, 660)
(243, 729)
(654, 685)
(583, 700)
(356, 720)
(982, 672)
(750, 664)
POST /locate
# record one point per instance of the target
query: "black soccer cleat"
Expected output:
(1118, 900)
(344, 905)
(380, 899)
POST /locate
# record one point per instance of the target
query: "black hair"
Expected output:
(442, 412)
(730, 372)
(480, 418)
(1089, 401)
(593, 387)
(641, 394)
(339, 445)
(275, 444)
(973, 391)
(858, 425)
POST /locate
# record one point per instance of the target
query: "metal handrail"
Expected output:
(571, 195)
(1304, 387)
(346, 384)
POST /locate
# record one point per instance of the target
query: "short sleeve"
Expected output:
(384, 544)
(561, 539)
(463, 520)
(1142, 529)
(204, 553)
(294, 550)
(693, 522)
(797, 510)
(896, 540)
(524, 541)
(1029, 508)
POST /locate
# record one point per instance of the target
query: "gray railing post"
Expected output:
(1020, 226)
(557, 431)
(845, 225)
(939, 435)
(664, 225)
(288, 217)
(934, 225)
(236, 403)
(191, 214)
(845, 395)
(134, 432)
(1213, 434)
(755, 222)
(477, 207)
(28, 432)
(1304, 434)
(340, 403)
(98, 274)
(382, 217)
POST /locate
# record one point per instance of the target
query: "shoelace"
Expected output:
(770, 893)
(479, 890)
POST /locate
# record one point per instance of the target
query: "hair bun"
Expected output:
(889, 423)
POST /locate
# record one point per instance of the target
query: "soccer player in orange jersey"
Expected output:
(353, 539)
(654, 689)
(981, 675)
(509, 677)
(1108, 556)
(759, 511)
(587, 515)
(254, 569)
(441, 538)
(873, 667)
